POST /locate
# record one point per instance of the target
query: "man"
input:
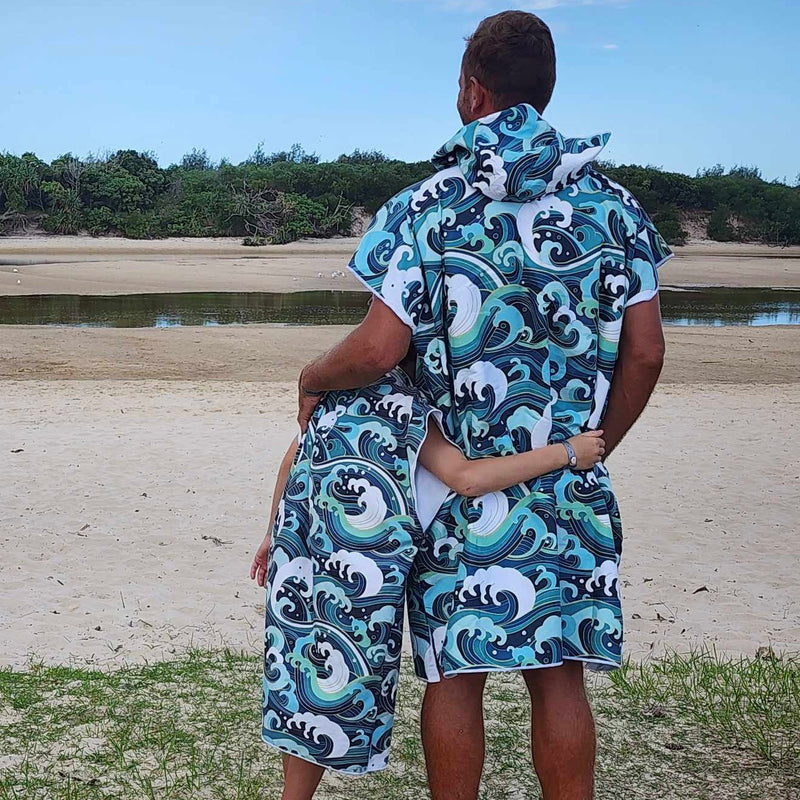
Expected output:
(526, 283)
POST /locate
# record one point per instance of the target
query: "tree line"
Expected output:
(282, 196)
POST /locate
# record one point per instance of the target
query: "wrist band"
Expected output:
(572, 458)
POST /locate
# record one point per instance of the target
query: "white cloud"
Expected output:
(610, 47)
(470, 6)
(543, 5)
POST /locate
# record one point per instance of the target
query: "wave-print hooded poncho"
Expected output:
(513, 265)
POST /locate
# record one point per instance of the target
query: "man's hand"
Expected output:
(258, 569)
(306, 404)
(589, 448)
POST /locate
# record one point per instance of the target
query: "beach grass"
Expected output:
(694, 726)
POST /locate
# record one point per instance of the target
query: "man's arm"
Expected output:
(639, 362)
(258, 569)
(377, 345)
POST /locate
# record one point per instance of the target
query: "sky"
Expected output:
(679, 84)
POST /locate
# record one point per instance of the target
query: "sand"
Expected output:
(735, 356)
(83, 265)
(137, 465)
(131, 513)
(733, 264)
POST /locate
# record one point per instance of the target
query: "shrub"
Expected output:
(668, 222)
(276, 217)
(129, 192)
(719, 227)
(64, 209)
(99, 221)
(140, 225)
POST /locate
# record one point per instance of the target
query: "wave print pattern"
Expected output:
(513, 265)
(343, 545)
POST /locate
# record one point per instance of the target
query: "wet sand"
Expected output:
(698, 355)
(83, 265)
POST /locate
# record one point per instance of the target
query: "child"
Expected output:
(351, 507)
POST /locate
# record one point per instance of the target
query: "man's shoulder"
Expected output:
(617, 195)
(441, 188)
(448, 188)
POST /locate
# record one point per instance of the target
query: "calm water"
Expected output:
(692, 307)
(731, 307)
(185, 308)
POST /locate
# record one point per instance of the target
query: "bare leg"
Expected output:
(452, 736)
(300, 778)
(562, 734)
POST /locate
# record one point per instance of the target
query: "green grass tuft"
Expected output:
(696, 726)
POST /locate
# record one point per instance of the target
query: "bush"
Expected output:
(668, 222)
(276, 217)
(128, 192)
(109, 185)
(254, 241)
(719, 227)
(140, 225)
(99, 221)
(64, 207)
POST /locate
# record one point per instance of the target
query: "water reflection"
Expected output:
(692, 307)
(753, 307)
(185, 308)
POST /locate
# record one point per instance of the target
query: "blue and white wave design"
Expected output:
(513, 265)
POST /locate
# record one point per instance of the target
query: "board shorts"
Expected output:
(518, 579)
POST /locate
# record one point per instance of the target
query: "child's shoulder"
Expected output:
(393, 400)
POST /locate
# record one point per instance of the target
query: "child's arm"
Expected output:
(258, 569)
(483, 475)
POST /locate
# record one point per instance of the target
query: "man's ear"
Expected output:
(479, 99)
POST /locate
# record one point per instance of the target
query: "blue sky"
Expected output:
(679, 84)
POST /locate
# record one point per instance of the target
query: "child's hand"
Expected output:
(589, 448)
(258, 569)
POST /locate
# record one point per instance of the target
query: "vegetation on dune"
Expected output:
(274, 197)
(696, 726)
(279, 197)
(742, 206)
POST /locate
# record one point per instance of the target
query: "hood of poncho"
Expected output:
(516, 155)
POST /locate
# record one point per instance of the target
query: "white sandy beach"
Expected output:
(86, 265)
(137, 465)
(130, 515)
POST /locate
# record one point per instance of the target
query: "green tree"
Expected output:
(196, 160)
(296, 154)
(363, 157)
(21, 180)
(64, 209)
(128, 192)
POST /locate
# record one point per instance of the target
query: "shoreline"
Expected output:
(86, 266)
(697, 355)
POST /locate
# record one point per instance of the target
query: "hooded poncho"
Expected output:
(513, 265)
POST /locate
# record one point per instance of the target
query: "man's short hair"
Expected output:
(512, 55)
